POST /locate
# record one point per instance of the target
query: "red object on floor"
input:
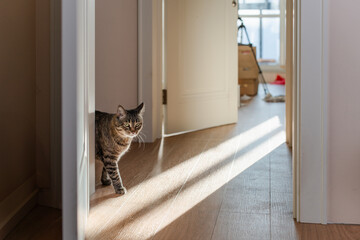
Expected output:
(279, 80)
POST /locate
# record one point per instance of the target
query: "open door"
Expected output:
(200, 64)
(77, 79)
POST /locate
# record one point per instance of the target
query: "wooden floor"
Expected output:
(42, 223)
(229, 182)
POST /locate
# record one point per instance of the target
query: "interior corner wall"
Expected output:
(17, 93)
(116, 53)
(17, 105)
(43, 93)
(47, 154)
(344, 113)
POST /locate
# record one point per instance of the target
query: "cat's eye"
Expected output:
(126, 124)
(138, 125)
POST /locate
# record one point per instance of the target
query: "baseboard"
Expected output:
(17, 205)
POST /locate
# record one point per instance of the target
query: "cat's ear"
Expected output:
(141, 109)
(121, 112)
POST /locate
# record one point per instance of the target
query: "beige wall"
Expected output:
(17, 93)
(17, 111)
(344, 110)
(116, 54)
(43, 93)
(47, 158)
(24, 109)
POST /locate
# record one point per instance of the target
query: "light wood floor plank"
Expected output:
(241, 226)
(208, 184)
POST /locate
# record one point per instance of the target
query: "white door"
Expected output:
(77, 78)
(200, 64)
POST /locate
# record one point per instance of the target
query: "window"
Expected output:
(265, 23)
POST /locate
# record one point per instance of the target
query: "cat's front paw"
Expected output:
(121, 191)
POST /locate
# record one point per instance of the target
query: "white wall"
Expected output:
(116, 54)
(344, 113)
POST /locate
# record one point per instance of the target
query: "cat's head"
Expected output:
(131, 121)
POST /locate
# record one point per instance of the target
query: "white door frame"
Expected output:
(77, 62)
(311, 109)
(68, 121)
(310, 90)
(149, 55)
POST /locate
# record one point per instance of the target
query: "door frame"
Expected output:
(77, 61)
(310, 109)
(309, 105)
(150, 72)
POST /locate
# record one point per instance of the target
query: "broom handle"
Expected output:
(266, 90)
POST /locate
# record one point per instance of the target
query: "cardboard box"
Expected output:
(247, 67)
(249, 86)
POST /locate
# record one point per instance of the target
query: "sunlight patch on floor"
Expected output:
(240, 141)
(240, 164)
(161, 190)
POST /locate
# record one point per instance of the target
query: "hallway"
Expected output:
(229, 182)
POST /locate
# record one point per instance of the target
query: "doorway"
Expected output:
(297, 110)
(196, 170)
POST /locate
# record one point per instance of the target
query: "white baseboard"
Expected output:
(15, 206)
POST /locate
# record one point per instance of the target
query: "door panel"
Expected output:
(200, 64)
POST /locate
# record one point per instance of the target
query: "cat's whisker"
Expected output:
(142, 141)
(138, 140)
(144, 136)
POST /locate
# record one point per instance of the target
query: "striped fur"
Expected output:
(114, 134)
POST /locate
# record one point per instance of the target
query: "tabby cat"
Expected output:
(114, 133)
